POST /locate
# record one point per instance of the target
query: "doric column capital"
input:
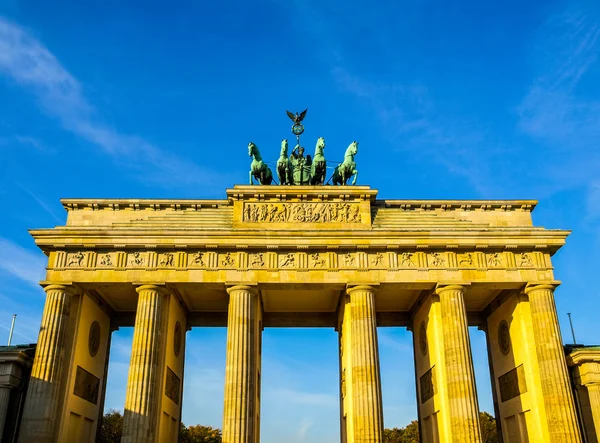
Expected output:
(71, 290)
(361, 288)
(152, 287)
(452, 287)
(236, 288)
(550, 286)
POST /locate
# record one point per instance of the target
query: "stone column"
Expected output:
(40, 415)
(460, 376)
(144, 382)
(367, 410)
(240, 422)
(4, 400)
(594, 395)
(558, 398)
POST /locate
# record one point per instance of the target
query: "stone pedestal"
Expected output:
(361, 381)
(460, 377)
(45, 390)
(143, 386)
(242, 373)
(558, 397)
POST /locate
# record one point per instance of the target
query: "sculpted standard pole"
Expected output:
(558, 398)
(460, 378)
(367, 411)
(143, 386)
(41, 406)
(240, 416)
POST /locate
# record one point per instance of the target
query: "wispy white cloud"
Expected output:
(34, 142)
(45, 206)
(25, 60)
(303, 429)
(21, 263)
(561, 110)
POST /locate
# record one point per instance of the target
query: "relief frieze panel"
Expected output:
(305, 259)
(297, 212)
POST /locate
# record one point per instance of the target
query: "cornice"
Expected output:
(301, 193)
(576, 358)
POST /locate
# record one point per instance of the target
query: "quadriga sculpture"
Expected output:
(258, 169)
(347, 168)
(319, 164)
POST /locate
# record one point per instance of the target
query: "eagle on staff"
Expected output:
(297, 118)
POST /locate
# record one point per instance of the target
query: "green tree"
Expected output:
(410, 434)
(488, 428)
(112, 427)
(199, 434)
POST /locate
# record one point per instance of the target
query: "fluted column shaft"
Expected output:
(4, 400)
(367, 409)
(460, 376)
(240, 405)
(41, 406)
(594, 395)
(144, 384)
(558, 398)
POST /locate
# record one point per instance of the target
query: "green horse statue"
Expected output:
(284, 167)
(347, 169)
(258, 169)
(319, 164)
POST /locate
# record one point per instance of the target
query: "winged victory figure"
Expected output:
(297, 118)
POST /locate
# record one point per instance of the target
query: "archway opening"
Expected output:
(300, 385)
(397, 368)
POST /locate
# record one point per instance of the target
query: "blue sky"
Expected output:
(459, 99)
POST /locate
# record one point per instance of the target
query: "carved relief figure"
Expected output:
(76, 259)
(406, 259)
(466, 259)
(137, 259)
(167, 259)
(317, 261)
(257, 260)
(105, 260)
(301, 212)
(437, 259)
(198, 259)
(228, 260)
(288, 260)
(494, 259)
(525, 260)
(377, 259)
(349, 259)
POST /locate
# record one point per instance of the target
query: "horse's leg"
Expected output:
(355, 172)
(251, 182)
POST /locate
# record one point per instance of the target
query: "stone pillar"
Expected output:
(594, 395)
(240, 415)
(144, 382)
(362, 367)
(460, 376)
(558, 398)
(44, 392)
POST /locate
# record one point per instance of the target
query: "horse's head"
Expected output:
(352, 148)
(251, 148)
(284, 147)
(320, 145)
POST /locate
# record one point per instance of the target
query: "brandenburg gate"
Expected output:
(301, 256)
